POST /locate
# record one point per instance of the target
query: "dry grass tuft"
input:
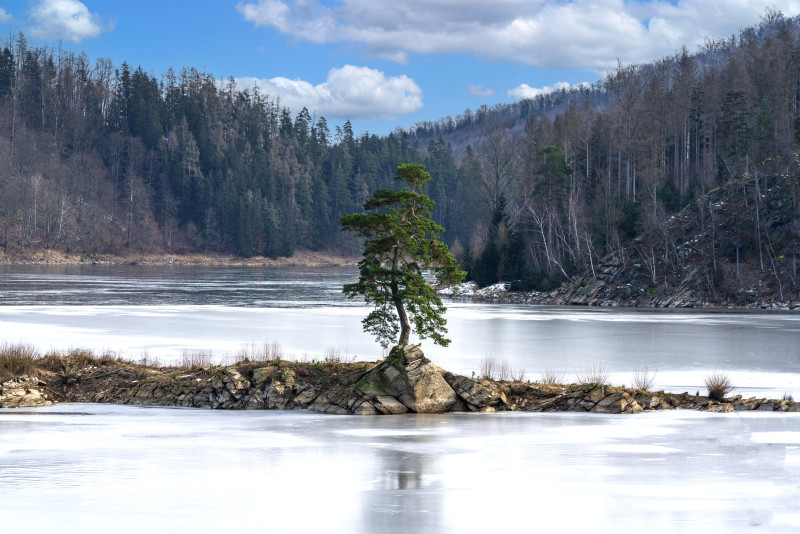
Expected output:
(643, 378)
(267, 352)
(718, 385)
(552, 377)
(192, 360)
(592, 374)
(336, 355)
(17, 360)
(500, 370)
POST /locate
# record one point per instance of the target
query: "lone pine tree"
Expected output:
(402, 242)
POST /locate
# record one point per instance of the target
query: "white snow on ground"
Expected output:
(470, 289)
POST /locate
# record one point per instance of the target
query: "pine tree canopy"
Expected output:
(401, 243)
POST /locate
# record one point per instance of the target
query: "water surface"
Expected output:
(163, 311)
(98, 468)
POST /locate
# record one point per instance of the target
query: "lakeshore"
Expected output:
(407, 383)
(301, 257)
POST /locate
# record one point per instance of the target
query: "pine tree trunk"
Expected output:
(405, 327)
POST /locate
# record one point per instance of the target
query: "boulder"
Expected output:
(406, 379)
(388, 405)
(330, 403)
(476, 395)
(23, 392)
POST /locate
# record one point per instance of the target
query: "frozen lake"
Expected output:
(96, 469)
(163, 311)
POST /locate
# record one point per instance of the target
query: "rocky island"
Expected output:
(406, 382)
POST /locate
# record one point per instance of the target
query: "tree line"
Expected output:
(98, 158)
(607, 168)
(101, 158)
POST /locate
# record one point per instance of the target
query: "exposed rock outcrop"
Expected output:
(406, 382)
(23, 391)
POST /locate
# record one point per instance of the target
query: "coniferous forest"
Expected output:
(97, 157)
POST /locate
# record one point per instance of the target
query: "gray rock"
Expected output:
(474, 393)
(411, 380)
(388, 405)
(23, 392)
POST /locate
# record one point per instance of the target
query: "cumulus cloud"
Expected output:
(69, 20)
(348, 92)
(523, 91)
(481, 91)
(588, 34)
(5, 16)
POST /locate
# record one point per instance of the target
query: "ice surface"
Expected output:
(163, 311)
(758, 351)
(95, 468)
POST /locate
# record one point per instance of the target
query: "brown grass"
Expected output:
(718, 385)
(592, 374)
(22, 359)
(500, 370)
(552, 377)
(267, 352)
(17, 360)
(643, 378)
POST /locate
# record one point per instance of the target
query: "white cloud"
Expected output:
(348, 92)
(479, 90)
(5, 16)
(523, 91)
(69, 20)
(588, 34)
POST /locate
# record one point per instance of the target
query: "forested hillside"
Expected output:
(607, 169)
(97, 157)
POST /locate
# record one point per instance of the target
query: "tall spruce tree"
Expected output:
(401, 242)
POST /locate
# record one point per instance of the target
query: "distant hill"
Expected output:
(468, 128)
(99, 158)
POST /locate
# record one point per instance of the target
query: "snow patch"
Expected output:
(470, 290)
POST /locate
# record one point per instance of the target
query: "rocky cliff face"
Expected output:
(406, 382)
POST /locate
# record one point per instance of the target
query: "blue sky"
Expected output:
(385, 63)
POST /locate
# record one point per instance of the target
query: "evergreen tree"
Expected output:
(402, 242)
(489, 265)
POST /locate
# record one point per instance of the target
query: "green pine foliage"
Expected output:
(401, 244)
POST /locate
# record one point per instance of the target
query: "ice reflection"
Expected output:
(128, 469)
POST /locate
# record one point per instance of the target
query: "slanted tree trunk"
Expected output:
(405, 326)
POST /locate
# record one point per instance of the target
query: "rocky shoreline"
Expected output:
(609, 288)
(303, 258)
(406, 382)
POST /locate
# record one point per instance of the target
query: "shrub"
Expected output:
(718, 385)
(191, 360)
(643, 378)
(592, 374)
(500, 370)
(267, 352)
(551, 377)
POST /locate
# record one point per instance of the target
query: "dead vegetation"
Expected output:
(500, 370)
(718, 385)
(594, 373)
